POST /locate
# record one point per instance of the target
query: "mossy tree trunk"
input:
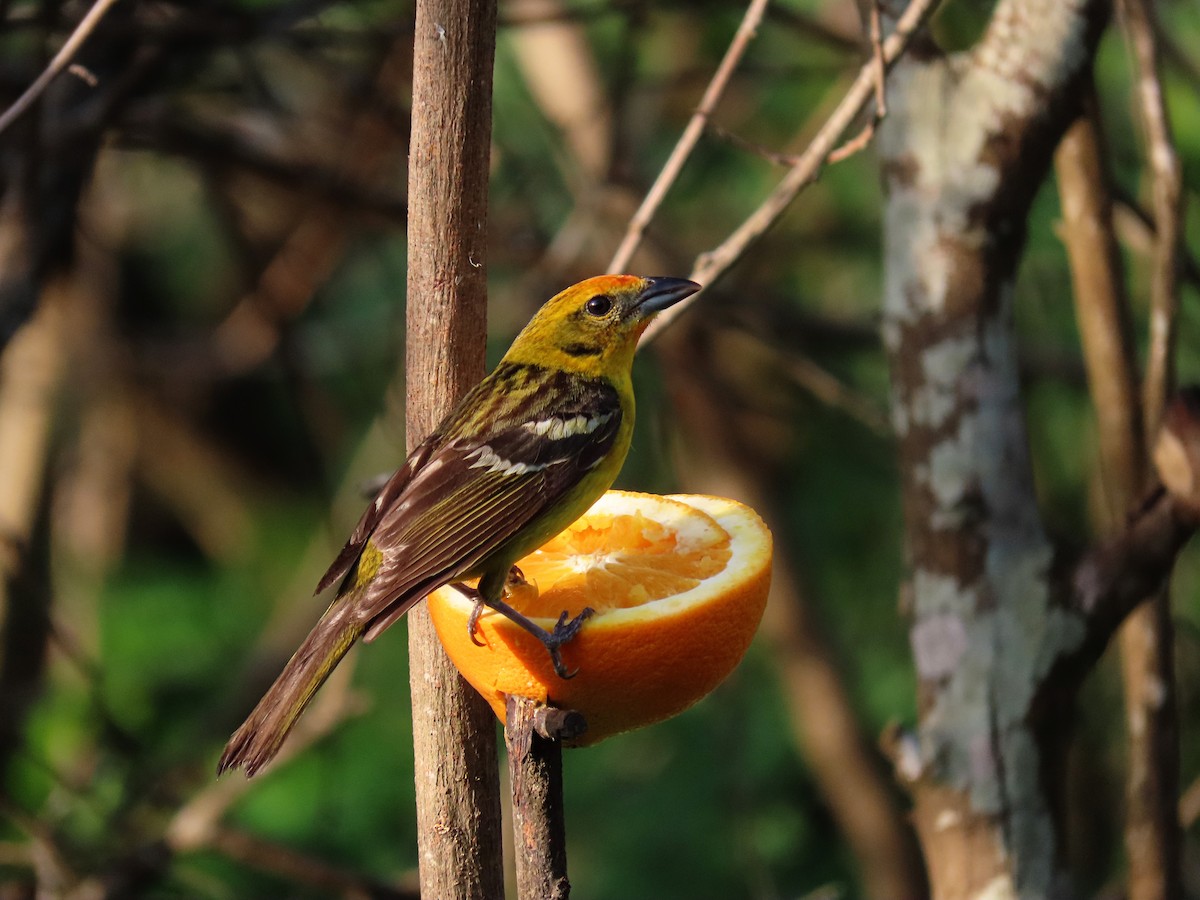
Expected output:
(968, 140)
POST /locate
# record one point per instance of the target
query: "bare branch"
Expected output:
(1168, 209)
(691, 134)
(1102, 310)
(60, 61)
(854, 145)
(834, 393)
(196, 823)
(1152, 834)
(301, 869)
(709, 267)
(1109, 581)
(1136, 229)
(1148, 678)
(772, 156)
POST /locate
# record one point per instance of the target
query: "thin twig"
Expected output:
(830, 390)
(691, 134)
(859, 142)
(711, 266)
(771, 156)
(1136, 230)
(303, 870)
(1102, 311)
(61, 59)
(1164, 165)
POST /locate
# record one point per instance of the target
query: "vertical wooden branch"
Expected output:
(532, 734)
(454, 732)
(1152, 832)
(1152, 835)
(1167, 178)
(1102, 308)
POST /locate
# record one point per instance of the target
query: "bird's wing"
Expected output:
(470, 495)
(371, 517)
(476, 500)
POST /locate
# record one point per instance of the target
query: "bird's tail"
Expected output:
(261, 735)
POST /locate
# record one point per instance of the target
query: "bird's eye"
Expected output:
(598, 305)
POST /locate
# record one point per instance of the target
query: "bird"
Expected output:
(520, 457)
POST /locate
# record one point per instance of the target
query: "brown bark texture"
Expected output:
(968, 139)
(1152, 835)
(454, 732)
(539, 823)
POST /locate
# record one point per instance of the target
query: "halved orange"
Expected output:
(678, 585)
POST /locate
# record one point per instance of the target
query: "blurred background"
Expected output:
(202, 278)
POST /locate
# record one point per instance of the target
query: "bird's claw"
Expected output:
(564, 631)
(473, 621)
(476, 611)
(560, 668)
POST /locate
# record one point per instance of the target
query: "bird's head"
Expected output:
(593, 327)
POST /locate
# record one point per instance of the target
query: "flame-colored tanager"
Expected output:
(521, 457)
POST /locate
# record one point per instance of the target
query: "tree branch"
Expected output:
(1152, 833)
(454, 731)
(691, 134)
(710, 266)
(60, 61)
(1146, 636)
(535, 772)
(1168, 210)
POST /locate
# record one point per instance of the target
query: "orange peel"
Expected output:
(678, 585)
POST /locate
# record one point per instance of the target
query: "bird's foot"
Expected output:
(476, 611)
(564, 630)
(516, 578)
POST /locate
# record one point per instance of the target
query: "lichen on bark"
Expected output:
(967, 139)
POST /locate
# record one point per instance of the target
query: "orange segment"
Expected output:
(614, 558)
(678, 585)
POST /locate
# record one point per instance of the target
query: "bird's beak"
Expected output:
(661, 292)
